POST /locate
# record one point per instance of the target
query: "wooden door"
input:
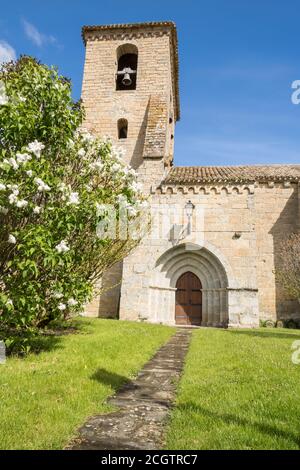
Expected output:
(188, 305)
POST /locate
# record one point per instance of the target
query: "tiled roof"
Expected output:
(253, 173)
(137, 26)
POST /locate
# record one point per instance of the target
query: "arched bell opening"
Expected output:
(127, 59)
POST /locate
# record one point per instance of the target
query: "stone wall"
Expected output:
(150, 111)
(240, 226)
(246, 224)
(105, 105)
(276, 217)
(224, 221)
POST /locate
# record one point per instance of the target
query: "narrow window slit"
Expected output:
(122, 128)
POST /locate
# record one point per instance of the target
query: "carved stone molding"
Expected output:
(203, 189)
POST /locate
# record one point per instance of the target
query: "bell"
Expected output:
(126, 81)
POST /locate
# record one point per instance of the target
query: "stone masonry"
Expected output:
(241, 214)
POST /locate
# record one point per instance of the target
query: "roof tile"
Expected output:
(251, 173)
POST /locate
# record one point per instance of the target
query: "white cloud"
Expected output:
(38, 38)
(7, 52)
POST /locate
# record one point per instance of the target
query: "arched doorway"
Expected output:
(188, 301)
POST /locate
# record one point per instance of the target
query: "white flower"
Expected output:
(81, 152)
(100, 208)
(72, 302)
(29, 172)
(136, 187)
(121, 198)
(70, 143)
(13, 197)
(12, 239)
(35, 147)
(3, 96)
(3, 210)
(37, 209)
(87, 136)
(21, 203)
(23, 157)
(61, 307)
(62, 187)
(130, 171)
(143, 204)
(119, 154)
(98, 165)
(116, 167)
(57, 295)
(12, 162)
(22, 99)
(88, 188)
(41, 185)
(62, 247)
(3, 100)
(132, 211)
(2, 187)
(13, 187)
(73, 199)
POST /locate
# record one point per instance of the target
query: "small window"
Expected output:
(127, 57)
(122, 128)
(170, 120)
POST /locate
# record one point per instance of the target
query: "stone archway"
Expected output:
(203, 263)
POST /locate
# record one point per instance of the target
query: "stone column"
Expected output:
(216, 307)
(209, 308)
(204, 308)
(223, 307)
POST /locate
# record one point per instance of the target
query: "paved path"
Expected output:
(143, 404)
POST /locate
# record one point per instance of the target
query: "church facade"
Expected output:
(212, 263)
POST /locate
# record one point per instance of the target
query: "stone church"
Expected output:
(216, 266)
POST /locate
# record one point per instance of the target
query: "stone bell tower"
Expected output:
(130, 88)
(130, 93)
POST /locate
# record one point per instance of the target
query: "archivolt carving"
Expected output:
(212, 270)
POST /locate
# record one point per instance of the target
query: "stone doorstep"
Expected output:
(144, 405)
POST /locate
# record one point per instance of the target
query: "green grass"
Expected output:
(46, 396)
(240, 390)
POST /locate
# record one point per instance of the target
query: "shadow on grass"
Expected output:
(105, 377)
(278, 334)
(45, 343)
(228, 418)
(20, 342)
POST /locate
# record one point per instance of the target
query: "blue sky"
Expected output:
(238, 59)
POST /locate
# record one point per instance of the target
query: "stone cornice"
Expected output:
(203, 189)
(219, 188)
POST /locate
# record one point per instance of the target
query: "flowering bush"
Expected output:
(53, 179)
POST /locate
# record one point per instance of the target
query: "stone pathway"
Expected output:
(144, 404)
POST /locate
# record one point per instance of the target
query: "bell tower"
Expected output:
(130, 92)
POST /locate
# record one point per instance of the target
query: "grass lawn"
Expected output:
(46, 396)
(240, 390)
